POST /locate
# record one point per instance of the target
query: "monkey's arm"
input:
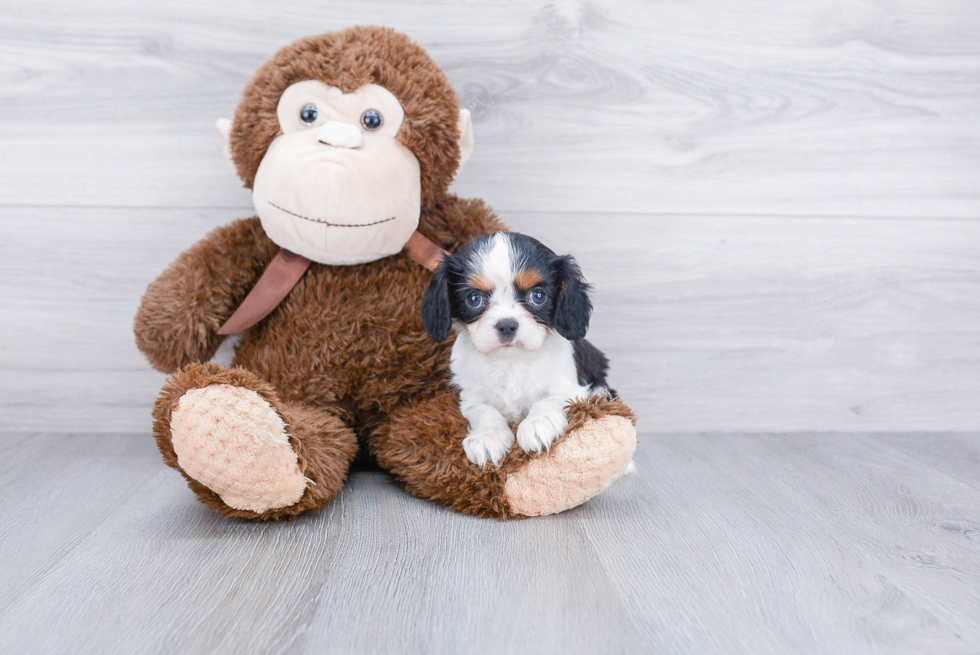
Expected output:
(181, 311)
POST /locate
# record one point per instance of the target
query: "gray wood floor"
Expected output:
(807, 543)
(779, 207)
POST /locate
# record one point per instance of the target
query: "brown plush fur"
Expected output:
(324, 446)
(423, 448)
(345, 353)
(182, 310)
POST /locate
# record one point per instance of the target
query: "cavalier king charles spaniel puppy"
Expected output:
(520, 313)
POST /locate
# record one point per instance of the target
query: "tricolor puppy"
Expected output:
(520, 313)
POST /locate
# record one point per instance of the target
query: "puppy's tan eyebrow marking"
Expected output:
(528, 278)
(478, 281)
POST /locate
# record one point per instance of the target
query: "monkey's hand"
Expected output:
(180, 314)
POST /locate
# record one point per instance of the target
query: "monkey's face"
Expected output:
(336, 185)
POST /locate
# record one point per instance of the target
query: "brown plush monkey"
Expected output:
(348, 141)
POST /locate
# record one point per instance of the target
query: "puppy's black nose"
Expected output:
(506, 328)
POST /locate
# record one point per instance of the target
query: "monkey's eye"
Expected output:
(474, 300)
(536, 297)
(372, 120)
(308, 114)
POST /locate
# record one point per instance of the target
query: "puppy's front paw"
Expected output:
(488, 444)
(539, 429)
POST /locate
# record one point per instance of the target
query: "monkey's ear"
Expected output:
(436, 310)
(465, 137)
(224, 131)
(573, 309)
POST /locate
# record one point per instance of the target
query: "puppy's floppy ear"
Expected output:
(436, 310)
(572, 306)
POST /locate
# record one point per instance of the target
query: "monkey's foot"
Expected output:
(232, 441)
(584, 463)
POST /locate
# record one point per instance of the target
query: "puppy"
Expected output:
(520, 313)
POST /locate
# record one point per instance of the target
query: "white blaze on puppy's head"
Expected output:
(504, 324)
(507, 293)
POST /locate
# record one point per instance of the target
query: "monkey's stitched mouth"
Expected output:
(322, 222)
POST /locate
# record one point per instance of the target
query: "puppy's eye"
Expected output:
(308, 114)
(536, 297)
(372, 120)
(474, 300)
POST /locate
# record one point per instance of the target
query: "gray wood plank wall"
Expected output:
(778, 203)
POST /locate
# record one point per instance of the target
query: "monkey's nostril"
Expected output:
(506, 328)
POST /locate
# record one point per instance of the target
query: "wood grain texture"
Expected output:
(816, 107)
(711, 323)
(752, 543)
(777, 204)
(820, 543)
(738, 180)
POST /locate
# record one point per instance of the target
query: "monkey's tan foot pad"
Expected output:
(588, 460)
(232, 441)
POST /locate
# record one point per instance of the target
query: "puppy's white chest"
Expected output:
(513, 386)
(513, 383)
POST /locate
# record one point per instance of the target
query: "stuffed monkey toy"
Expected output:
(348, 141)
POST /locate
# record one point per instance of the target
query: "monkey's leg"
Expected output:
(244, 452)
(422, 446)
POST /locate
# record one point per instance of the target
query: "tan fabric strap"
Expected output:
(423, 251)
(286, 269)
